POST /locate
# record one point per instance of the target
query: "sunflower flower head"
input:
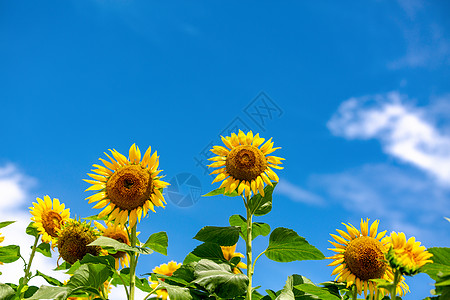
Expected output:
(360, 257)
(244, 163)
(73, 241)
(229, 253)
(117, 233)
(407, 256)
(48, 217)
(127, 187)
(164, 269)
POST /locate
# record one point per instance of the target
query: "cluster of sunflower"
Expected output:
(127, 188)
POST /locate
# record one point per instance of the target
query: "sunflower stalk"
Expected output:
(249, 249)
(133, 263)
(27, 275)
(397, 276)
(354, 292)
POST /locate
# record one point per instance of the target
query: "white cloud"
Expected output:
(403, 130)
(297, 194)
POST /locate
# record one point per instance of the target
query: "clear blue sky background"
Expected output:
(80, 77)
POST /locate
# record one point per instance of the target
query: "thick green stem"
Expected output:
(27, 276)
(151, 293)
(354, 292)
(133, 263)
(249, 251)
(397, 276)
(124, 284)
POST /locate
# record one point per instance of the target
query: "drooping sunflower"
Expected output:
(127, 188)
(243, 165)
(164, 269)
(73, 241)
(361, 257)
(408, 256)
(119, 234)
(49, 217)
(229, 253)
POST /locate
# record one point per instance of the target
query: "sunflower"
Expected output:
(127, 187)
(119, 234)
(360, 258)
(2, 238)
(244, 165)
(229, 253)
(164, 269)
(74, 239)
(407, 256)
(49, 217)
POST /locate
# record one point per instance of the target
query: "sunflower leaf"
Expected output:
(441, 262)
(321, 292)
(107, 260)
(6, 223)
(89, 276)
(259, 205)
(219, 279)
(221, 191)
(44, 249)
(258, 228)
(286, 245)
(289, 293)
(223, 236)
(49, 279)
(176, 292)
(158, 242)
(9, 254)
(111, 244)
(31, 230)
(51, 292)
(6, 292)
(210, 251)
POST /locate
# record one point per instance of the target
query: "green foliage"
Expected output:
(286, 245)
(49, 279)
(289, 293)
(260, 206)
(6, 223)
(219, 279)
(210, 251)
(441, 263)
(322, 293)
(51, 292)
(221, 191)
(44, 249)
(258, 228)
(158, 242)
(115, 246)
(223, 236)
(31, 230)
(6, 292)
(9, 254)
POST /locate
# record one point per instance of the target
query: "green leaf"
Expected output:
(89, 276)
(289, 293)
(223, 236)
(9, 254)
(176, 292)
(6, 292)
(258, 228)
(286, 245)
(158, 242)
(96, 218)
(30, 291)
(111, 244)
(105, 260)
(210, 251)
(6, 223)
(259, 205)
(31, 230)
(64, 266)
(49, 279)
(51, 292)
(322, 293)
(219, 279)
(221, 191)
(44, 248)
(441, 262)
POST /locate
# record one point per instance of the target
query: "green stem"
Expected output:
(249, 250)
(254, 262)
(397, 276)
(151, 293)
(354, 292)
(123, 282)
(27, 276)
(133, 263)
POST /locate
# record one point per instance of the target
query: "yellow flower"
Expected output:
(74, 239)
(360, 258)
(244, 165)
(49, 217)
(127, 188)
(119, 234)
(2, 238)
(229, 253)
(164, 269)
(407, 256)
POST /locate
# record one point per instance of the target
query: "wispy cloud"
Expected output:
(297, 193)
(404, 131)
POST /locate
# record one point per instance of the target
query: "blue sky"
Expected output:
(360, 91)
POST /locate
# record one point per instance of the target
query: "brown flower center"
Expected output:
(365, 259)
(129, 187)
(73, 241)
(245, 162)
(52, 221)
